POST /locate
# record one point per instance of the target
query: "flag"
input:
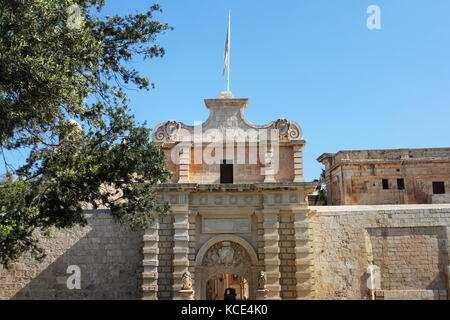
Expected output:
(226, 62)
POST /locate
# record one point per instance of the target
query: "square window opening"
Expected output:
(400, 184)
(438, 187)
(226, 171)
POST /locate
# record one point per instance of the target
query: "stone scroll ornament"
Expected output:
(168, 131)
(187, 281)
(286, 129)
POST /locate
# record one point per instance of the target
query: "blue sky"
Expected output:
(312, 61)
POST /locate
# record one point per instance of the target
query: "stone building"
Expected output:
(402, 176)
(240, 222)
(238, 204)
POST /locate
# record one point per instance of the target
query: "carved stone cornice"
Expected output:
(225, 114)
(195, 187)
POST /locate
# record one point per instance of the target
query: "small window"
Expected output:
(400, 184)
(438, 187)
(226, 171)
(385, 184)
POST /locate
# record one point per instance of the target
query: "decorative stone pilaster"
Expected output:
(298, 164)
(185, 159)
(150, 263)
(269, 169)
(180, 252)
(303, 255)
(192, 245)
(271, 254)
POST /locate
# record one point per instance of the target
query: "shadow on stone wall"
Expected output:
(411, 258)
(109, 256)
(365, 292)
(440, 281)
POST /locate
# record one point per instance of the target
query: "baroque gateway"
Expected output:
(239, 209)
(240, 226)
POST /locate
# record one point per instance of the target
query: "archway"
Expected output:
(217, 286)
(226, 256)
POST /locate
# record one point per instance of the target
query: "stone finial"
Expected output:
(226, 95)
(187, 281)
(262, 280)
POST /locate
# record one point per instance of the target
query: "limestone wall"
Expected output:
(171, 162)
(362, 183)
(440, 198)
(247, 169)
(248, 164)
(109, 257)
(409, 243)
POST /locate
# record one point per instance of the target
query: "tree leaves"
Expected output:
(63, 97)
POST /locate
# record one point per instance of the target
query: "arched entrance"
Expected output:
(225, 257)
(217, 286)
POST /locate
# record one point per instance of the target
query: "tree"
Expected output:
(64, 72)
(321, 189)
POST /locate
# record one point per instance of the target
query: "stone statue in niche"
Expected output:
(187, 281)
(262, 280)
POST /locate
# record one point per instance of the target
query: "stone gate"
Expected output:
(238, 205)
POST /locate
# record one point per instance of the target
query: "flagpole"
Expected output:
(229, 50)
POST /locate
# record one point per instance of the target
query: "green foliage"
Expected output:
(18, 221)
(52, 74)
(321, 189)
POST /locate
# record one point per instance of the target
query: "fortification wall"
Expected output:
(409, 243)
(109, 257)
